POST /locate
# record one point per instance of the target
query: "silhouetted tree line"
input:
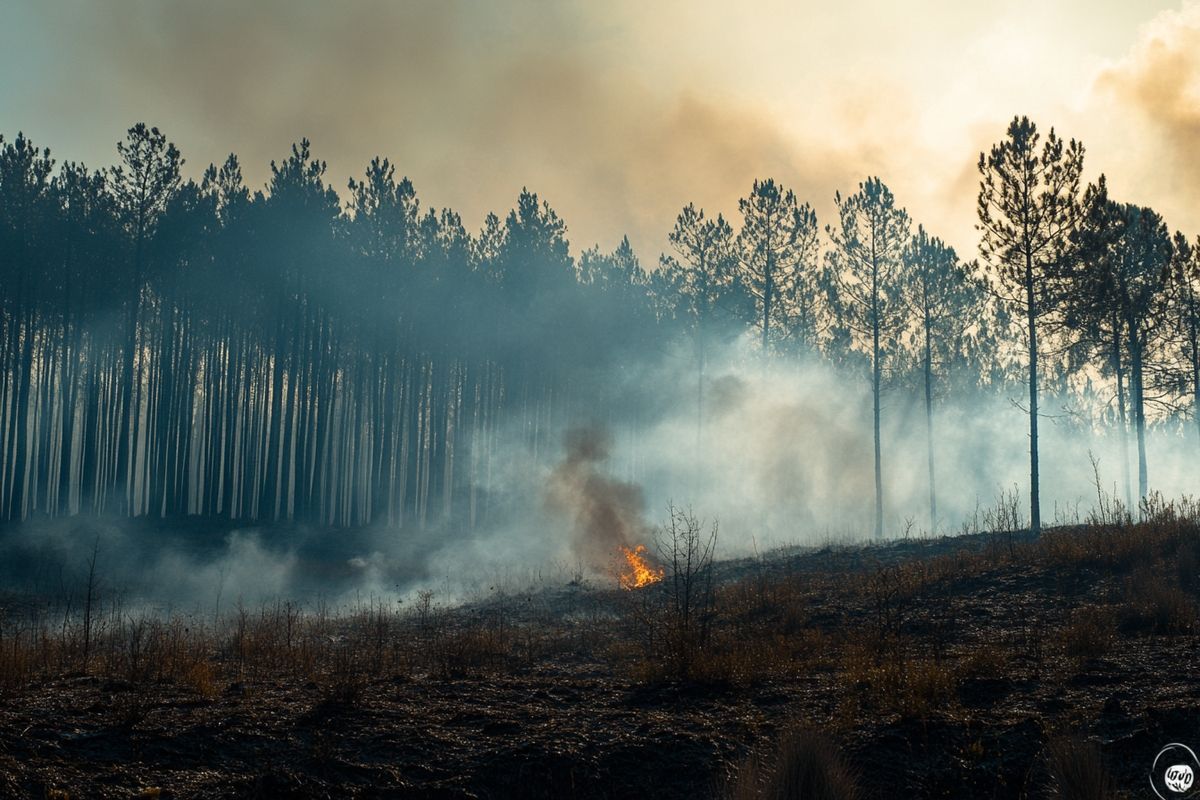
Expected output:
(171, 346)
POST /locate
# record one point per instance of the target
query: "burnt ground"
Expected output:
(941, 669)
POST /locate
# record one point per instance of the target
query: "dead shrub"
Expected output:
(804, 765)
(892, 589)
(473, 649)
(986, 660)
(201, 679)
(673, 620)
(127, 710)
(18, 654)
(928, 685)
(884, 677)
(687, 549)
(1187, 566)
(343, 693)
(1154, 604)
(1089, 635)
(1076, 771)
(741, 659)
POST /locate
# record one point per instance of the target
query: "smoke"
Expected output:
(605, 514)
(472, 100)
(618, 114)
(779, 455)
(200, 566)
(783, 455)
(617, 131)
(1160, 79)
(1152, 95)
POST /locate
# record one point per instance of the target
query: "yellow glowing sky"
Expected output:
(620, 112)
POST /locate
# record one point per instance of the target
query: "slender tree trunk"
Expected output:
(72, 401)
(1139, 409)
(1196, 388)
(1035, 500)
(273, 422)
(1194, 341)
(1122, 415)
(20, 481)
(700, 359)
(287, 490)
(768, 290)
(929, 425)
(125, 418)
(91, 436)
(876, 377)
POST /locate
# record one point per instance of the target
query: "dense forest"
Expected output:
(173, 346)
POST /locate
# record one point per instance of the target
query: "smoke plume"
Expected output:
(605, 514)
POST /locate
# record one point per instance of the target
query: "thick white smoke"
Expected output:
(781, 456)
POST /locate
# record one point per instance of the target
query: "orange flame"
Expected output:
(640, 573)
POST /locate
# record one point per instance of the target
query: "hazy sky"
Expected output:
(620, 112)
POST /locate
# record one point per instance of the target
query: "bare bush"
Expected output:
(804, 765)
(1153, 603)
(687, 548)
(884, 676)
(1109, 512)
(1077, 771)
(1089, 635)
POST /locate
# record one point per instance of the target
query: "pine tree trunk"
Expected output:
(1122, 415)
(1139, 409)
(1035, 502)
(876, 377)
(700, 364)
(1194, 339)
(929, 425)
(768, 290)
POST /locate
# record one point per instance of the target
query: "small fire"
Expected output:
(640, 573)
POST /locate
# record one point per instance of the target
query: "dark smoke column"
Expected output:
(605, 514)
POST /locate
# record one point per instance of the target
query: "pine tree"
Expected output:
(705, 277)
(1185, 315)
(867, 262)
(944, 301)
(777, 244)
(1028, 206)
(143, 184)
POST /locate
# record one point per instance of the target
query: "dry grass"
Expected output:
(887, 677)
(1090, 634)
(902, 638)
(804, 765)
(1155, 602)
(201, 679)
(1076, 771)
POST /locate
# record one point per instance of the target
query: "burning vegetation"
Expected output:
(639, 572)
(606, 515)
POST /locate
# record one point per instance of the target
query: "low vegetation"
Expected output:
(1022, 651)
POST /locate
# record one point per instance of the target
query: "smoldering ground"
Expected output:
(780, 456)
